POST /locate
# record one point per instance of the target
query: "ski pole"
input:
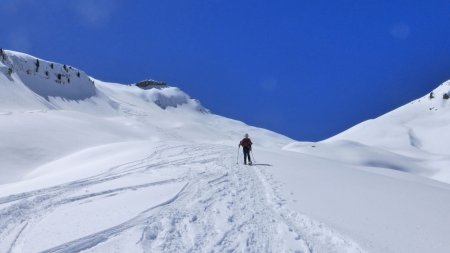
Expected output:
(237, 159)
(253, 156)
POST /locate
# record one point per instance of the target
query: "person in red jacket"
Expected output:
(246, 144)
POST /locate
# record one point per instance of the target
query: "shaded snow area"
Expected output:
(90, 166)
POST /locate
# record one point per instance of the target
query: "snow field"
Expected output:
(384, 210)
(182, 198)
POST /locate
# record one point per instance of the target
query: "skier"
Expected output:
(246, 144)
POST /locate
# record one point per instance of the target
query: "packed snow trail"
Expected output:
(202, 202)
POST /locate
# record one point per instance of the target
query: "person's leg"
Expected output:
(245, 155)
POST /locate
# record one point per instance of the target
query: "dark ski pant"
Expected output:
(247, 155)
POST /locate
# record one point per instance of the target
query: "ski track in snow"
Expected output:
(221, 207)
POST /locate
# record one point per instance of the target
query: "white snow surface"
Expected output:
(416, 133)
(90, 166)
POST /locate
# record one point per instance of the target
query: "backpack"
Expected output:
(246, 143)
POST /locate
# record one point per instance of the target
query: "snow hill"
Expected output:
(93, 166)
(418, 132)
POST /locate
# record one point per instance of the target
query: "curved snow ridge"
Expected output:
(27, 80)
(49, 79)
(132, 99)
(418, 128)
(171, 97)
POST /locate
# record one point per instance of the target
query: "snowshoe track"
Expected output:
(221, 207)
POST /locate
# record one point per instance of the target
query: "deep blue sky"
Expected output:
(305, 68)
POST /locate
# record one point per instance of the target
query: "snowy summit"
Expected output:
(93, 166)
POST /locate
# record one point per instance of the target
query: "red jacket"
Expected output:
(246, 143)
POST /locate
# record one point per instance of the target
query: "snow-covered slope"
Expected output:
(44, 118)
(47, 79)
(417, 132)
(101, 167)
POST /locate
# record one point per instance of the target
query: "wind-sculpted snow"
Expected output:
(172, 97)
(205, 203)
(418, 130)
(27, 81)
(48, 79)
